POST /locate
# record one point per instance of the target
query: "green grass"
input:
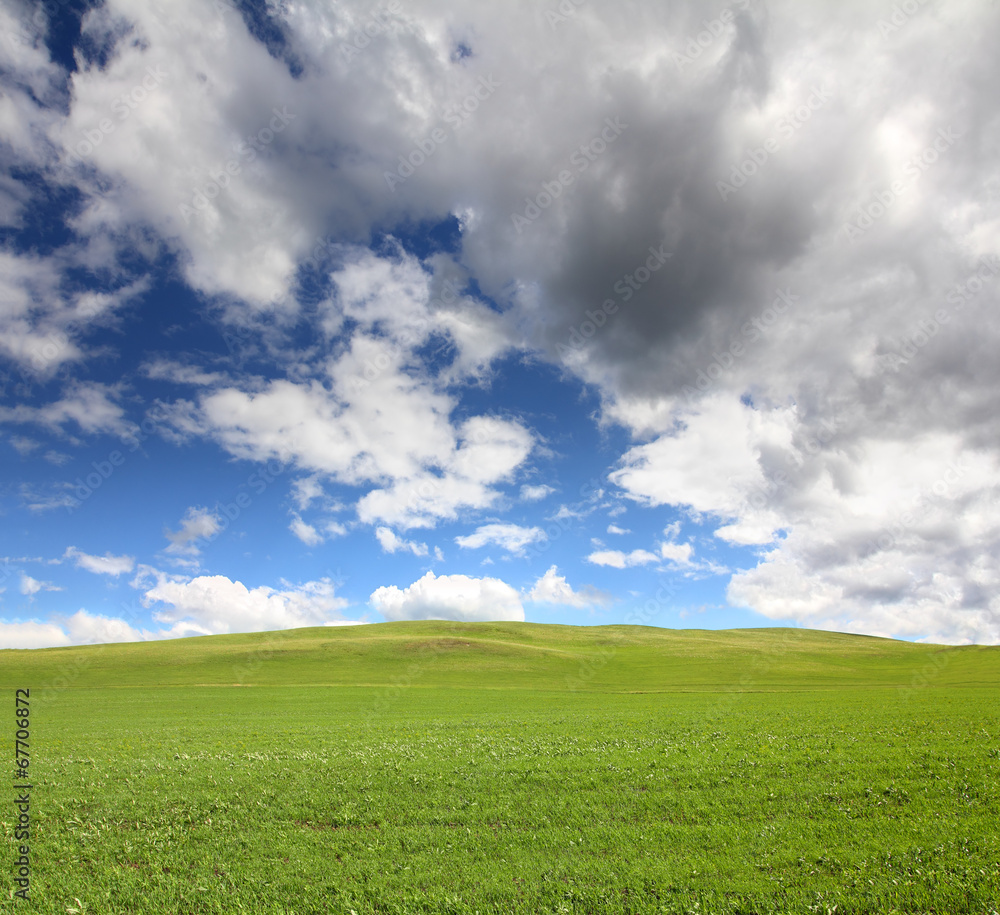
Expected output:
(495, 768)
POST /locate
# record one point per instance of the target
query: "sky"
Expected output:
(674, 314)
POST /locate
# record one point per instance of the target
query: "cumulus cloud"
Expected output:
(391, 543)
(212, 604)
(895, 543)
(552, 588)
(679, 553)
(450, 597)
(100, 565)
(32, 635)
(83, 628)
(511, 537)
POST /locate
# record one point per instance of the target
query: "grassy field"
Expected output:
(495, 768)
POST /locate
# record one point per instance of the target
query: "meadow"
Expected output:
(497, 768)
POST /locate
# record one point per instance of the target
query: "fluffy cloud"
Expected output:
(391, 543)
(215, 604)
(535, 493)
(511, 537)
(552, 588)
(85, 628)
(678, 553)
(617, 559)
(100, 565)
(487, 451)
(895, 541)
(450, 597)
(32, 635)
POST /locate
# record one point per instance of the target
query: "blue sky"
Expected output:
(319, 314)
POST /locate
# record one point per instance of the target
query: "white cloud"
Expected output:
(711, 462)
(393, 429)
(178, 373)
(616, 559)
(391, 543)
(679, 553)
(615, 529)
(488, 451)
(552, 588)
(215, 604)
(32, 635)
(450, 597)
(41, 328)
(305, 532)
(31, 586)
(84, 628)
(307, 490)
(511, 537)
(535, 493)
(100, 565)
(894, 540)
(90, 406)
(197, 524)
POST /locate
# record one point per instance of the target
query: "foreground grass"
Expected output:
(302, 799)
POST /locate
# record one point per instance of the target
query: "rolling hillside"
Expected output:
(511, 656)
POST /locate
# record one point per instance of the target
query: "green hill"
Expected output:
(511, 656)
